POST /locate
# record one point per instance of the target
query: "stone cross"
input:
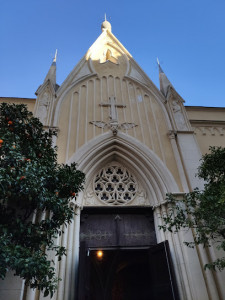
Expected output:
(113, 105)
(113, 123)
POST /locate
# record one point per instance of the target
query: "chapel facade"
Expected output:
(135, 143)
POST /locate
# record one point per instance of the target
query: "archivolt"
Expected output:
(151, 172)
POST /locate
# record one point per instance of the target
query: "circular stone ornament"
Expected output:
(115, 185)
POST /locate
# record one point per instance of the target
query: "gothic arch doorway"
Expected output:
(131, 265)
(124, 181)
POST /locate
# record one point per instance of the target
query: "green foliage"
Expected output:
(203, 211)
(32, 185)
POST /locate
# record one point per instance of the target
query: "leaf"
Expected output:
(203, 211)
(31, 215)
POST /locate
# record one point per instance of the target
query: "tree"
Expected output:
(203, 211)
(35, 196)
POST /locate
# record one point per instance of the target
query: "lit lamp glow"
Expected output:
(99, 253)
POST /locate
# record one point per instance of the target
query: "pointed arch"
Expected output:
(152, 173)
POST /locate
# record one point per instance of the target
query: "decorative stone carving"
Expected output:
(107, 56)
(178, 116)
(113, 105)
(42, 111)
(113, 123)
(113, 126)
(93, 198)
(210, 130)
(172, 134)
(115, 185)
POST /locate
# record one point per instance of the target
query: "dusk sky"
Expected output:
(188, 37)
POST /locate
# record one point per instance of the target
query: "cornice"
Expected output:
(207, 123)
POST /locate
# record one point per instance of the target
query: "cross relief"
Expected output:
(113, 123)
(113, 105)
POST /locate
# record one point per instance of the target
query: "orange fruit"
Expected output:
(10, 122)
(1, 141)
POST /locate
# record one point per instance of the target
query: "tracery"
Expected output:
(115, 185)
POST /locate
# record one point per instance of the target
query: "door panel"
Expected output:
(118, 228)
(135, 230)
(98, 230)
(164, 284)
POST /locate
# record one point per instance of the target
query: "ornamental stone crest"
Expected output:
(107, 56)
(113, 123)
(178, 115)
(44, 103)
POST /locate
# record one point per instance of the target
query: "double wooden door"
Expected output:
(131, 265)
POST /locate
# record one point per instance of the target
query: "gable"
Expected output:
(81, 117)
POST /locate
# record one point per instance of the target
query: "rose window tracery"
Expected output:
(115, 185)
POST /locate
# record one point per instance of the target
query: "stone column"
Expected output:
(62, 265)
(31, 294)
(68, 286)
(172, 136)
(191, 156)
(76, 249)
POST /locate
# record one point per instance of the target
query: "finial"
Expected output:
(106, 25)
(54, 60)
(160, 69)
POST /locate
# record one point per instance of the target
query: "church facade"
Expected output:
(135, 143)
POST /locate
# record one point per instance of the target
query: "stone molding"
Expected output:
(210, 130)
(150, 172)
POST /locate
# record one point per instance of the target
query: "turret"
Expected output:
(46, 93)
(174, 102)
(164, 82)
(51, 75)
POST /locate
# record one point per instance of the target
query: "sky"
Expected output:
(188, 37)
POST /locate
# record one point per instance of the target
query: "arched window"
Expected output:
(115, 185)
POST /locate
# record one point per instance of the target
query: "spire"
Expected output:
(51, 75)
(163, 80)
(54, 60)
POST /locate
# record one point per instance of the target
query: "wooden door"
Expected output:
(132, 267)
(162, 273)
